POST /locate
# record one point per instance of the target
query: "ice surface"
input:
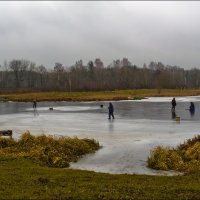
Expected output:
(138, 127)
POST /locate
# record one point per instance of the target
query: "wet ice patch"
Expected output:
(64, 108)
(138, 127)
(168, 99)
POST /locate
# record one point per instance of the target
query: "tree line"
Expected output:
(19, 74)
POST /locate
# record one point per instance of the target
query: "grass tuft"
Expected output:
(185, 158)
(51, 151)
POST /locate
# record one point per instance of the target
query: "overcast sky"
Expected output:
(49, 32)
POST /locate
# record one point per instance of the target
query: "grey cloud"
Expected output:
(49, 32)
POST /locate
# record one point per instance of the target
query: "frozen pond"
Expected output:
(138, 127)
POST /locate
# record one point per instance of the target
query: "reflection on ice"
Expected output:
(138, 127)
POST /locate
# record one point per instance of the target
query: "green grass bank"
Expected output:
(20, 178)
(32, 168)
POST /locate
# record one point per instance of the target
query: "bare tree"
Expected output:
(31, 73)
(19, 68)
(59, 70)
(41, 69)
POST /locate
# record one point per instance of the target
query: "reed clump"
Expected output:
(51, 151)
(184, 158)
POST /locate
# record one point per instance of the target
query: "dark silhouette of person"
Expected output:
(110, 111)
(34, 104)
(173, 105)
(101, 105)
(192, 108)
(173, 115)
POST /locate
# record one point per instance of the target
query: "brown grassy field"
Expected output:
(97, 96)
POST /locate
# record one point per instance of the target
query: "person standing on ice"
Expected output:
(110, 111)
(34, 104)
(173, 104)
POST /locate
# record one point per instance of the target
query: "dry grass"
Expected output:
(48, 150)
(186, 157)
(97, 96)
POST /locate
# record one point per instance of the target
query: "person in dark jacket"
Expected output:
(192, 108)
(110, 111)
(34, 104)
(173, 104)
